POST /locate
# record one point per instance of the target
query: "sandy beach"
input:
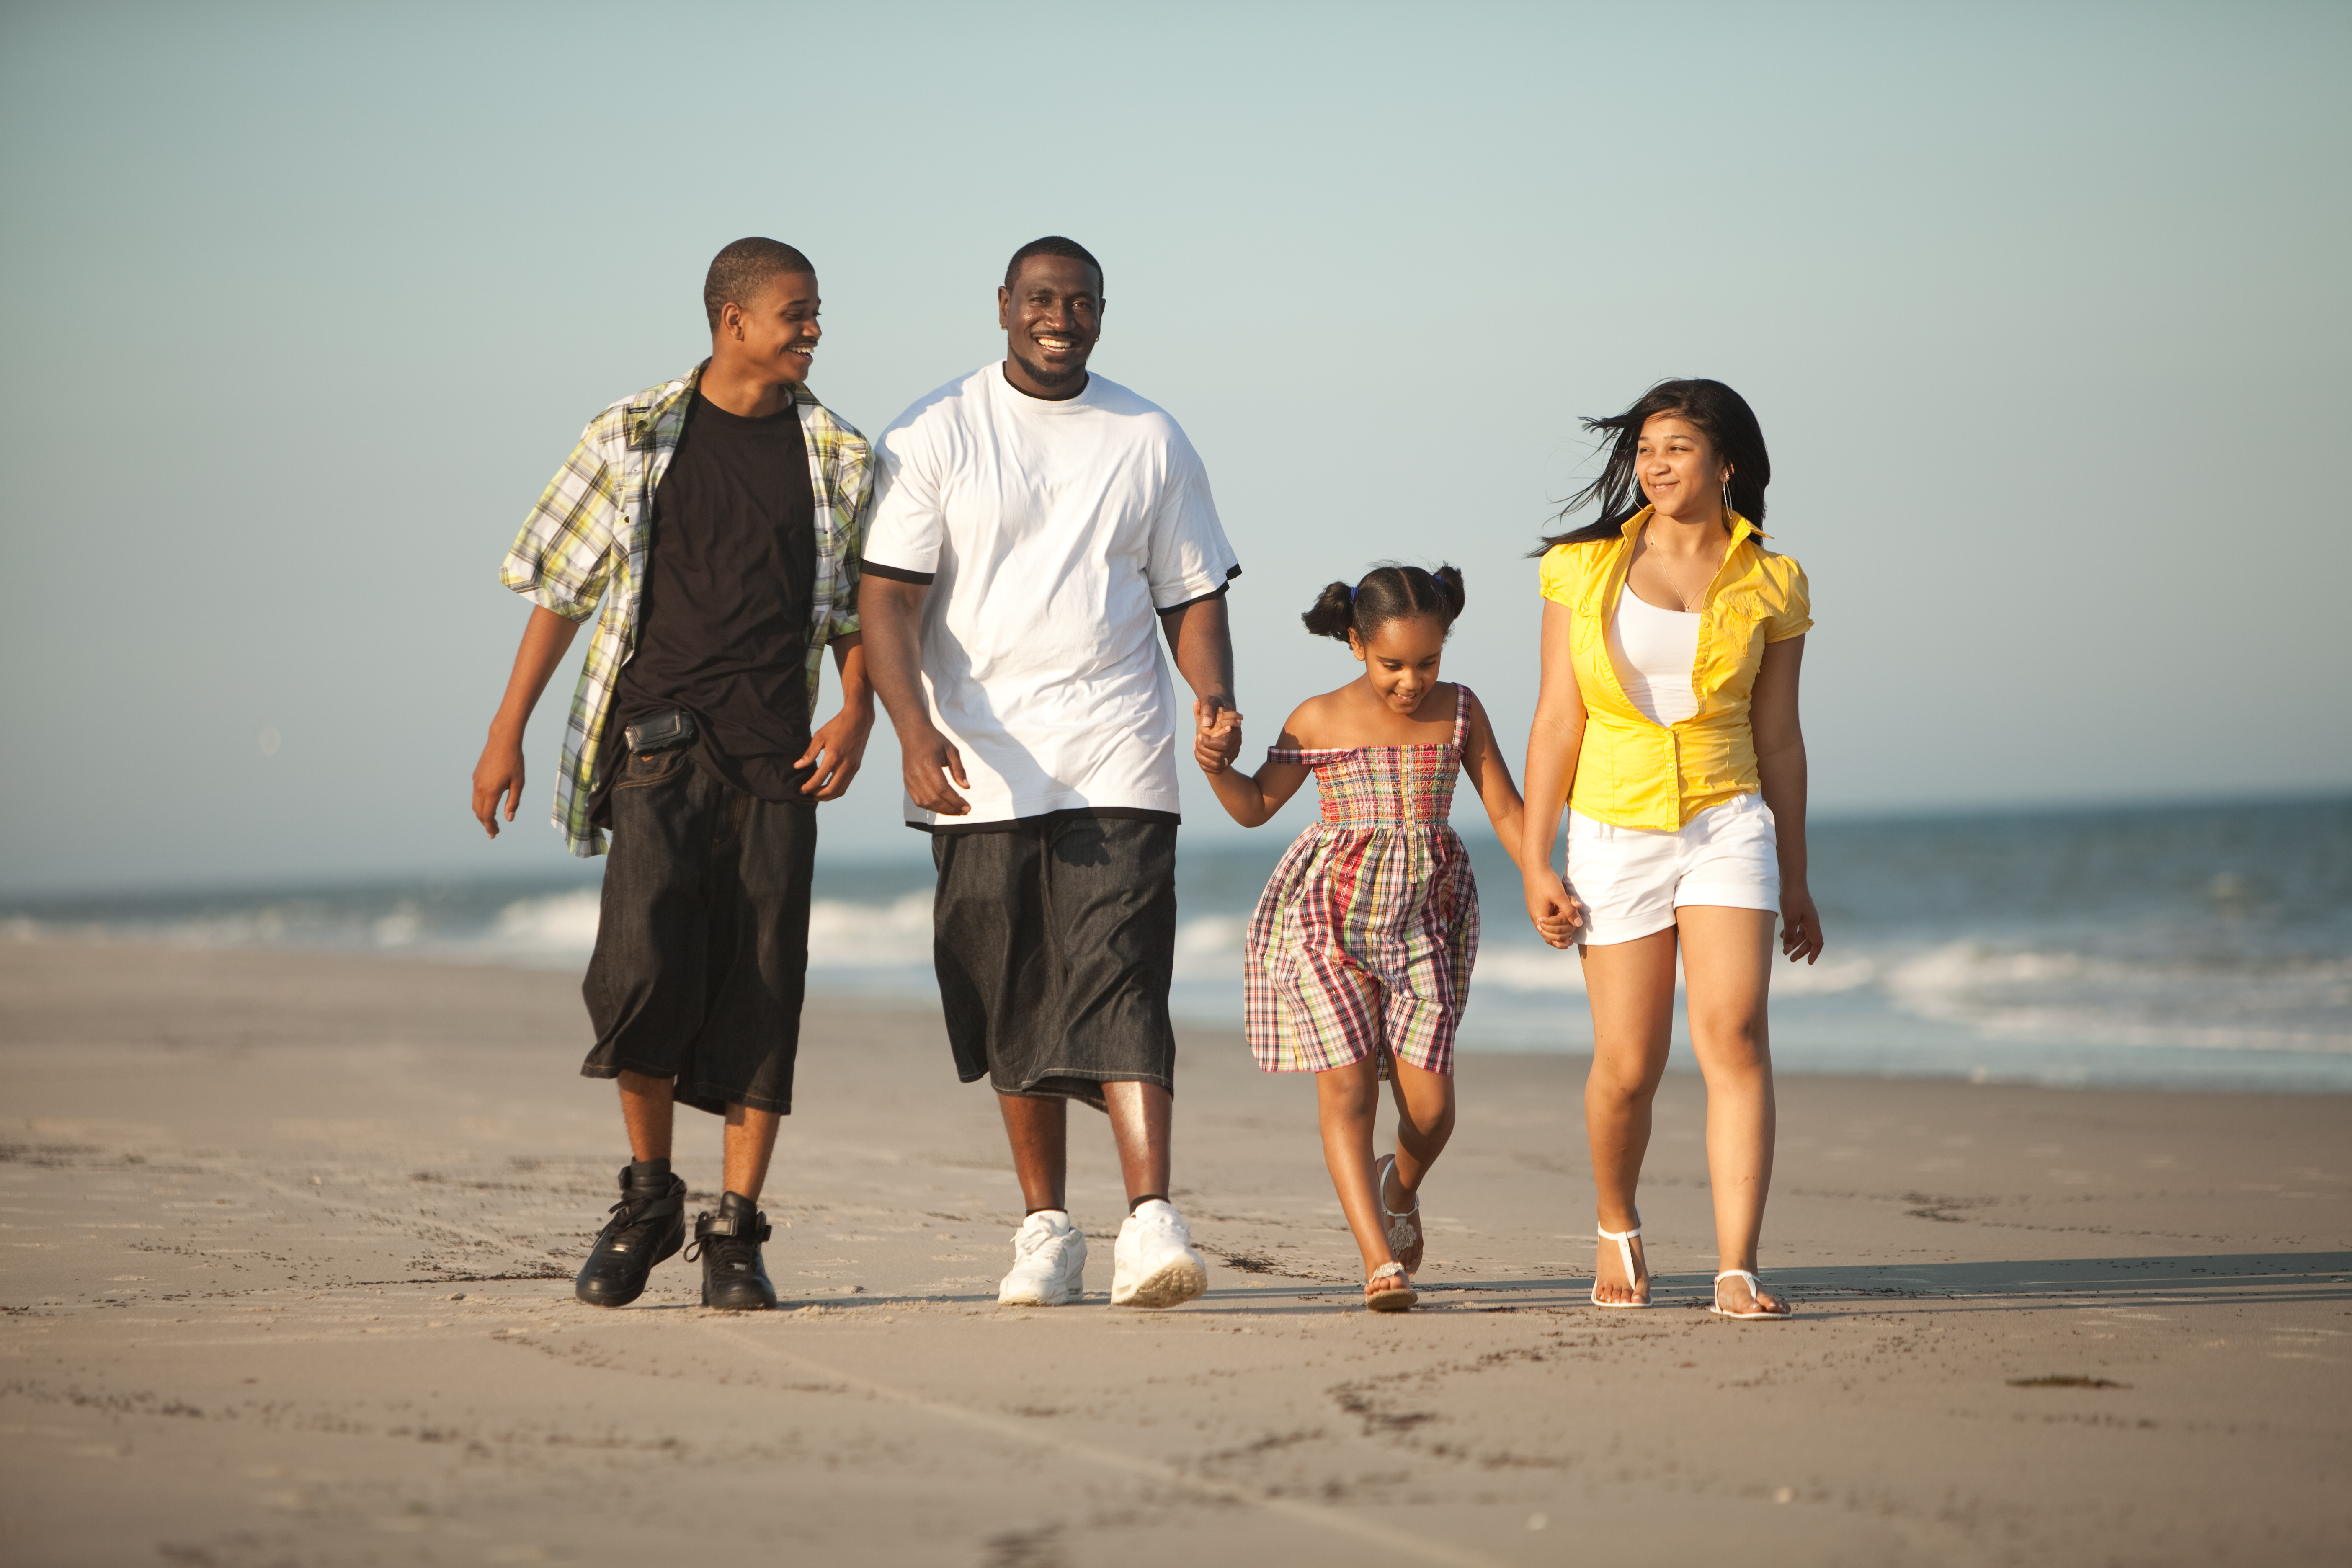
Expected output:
(289, 1240)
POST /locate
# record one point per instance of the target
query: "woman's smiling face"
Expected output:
(1680, 474)
(1401, 659)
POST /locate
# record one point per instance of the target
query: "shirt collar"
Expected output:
(645, 417)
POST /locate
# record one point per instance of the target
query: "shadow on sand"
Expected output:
(2236, 1278)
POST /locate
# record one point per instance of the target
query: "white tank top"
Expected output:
(1655, 652)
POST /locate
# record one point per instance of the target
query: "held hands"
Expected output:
(925, 762)
(1216, 735)
(837, 751)
(1558, 914)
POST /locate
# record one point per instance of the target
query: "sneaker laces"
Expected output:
(736, 1254)
(732, 1242)
(640, 1206)
(1035, 1238)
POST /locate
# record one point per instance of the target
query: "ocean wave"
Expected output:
(2057, 994)
(2096, 984)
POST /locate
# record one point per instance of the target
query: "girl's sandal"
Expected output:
(1625, 1240)
(1404, 1229)
(1754, 1314)
(1396, 1297)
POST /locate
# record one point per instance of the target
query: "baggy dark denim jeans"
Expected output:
(702, 944)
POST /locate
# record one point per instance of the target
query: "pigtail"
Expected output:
(1334, 612)
(1448, 579)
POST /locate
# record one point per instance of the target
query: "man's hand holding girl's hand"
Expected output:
(1216, 736)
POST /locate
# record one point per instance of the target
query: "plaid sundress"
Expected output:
(1379, 890)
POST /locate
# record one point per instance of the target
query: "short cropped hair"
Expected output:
(1053, 245)
(737, 272)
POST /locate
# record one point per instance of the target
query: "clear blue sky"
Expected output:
(2042, 308)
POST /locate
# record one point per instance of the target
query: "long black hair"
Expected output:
(1387, 593)
(1730, 427)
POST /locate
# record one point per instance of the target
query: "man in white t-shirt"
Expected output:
(1037, 530)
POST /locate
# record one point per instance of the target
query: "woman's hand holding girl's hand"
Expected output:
(1801, 925)
(1216, 737)
(1558, 914)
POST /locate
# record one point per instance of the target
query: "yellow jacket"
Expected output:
(1633, 772)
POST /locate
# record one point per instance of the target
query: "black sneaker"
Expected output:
(733, 1277)
(647, 1224)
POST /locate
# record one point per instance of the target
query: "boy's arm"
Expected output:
(838, 750)
(546, 636)
(1491, 777)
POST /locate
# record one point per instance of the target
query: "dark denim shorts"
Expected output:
(1055, 940)
(703, 948)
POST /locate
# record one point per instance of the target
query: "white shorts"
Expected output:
(1631, 879)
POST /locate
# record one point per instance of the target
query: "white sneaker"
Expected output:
(1154, 1264)
(1049, 1262)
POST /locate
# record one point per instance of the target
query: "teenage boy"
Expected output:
(718, 517)
(1037, 528)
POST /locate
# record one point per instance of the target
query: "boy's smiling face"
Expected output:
(1400, 660)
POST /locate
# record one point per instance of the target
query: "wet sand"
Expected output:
(289, 1240)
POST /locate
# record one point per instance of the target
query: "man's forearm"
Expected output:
(1202, 641)
(890, 613)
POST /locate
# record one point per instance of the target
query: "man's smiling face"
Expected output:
(1051, 315)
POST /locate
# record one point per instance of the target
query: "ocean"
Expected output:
(2204, 946)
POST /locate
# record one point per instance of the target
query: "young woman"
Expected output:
(1667, 725)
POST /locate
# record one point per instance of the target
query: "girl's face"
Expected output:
(1400, 660)
(1680, 474)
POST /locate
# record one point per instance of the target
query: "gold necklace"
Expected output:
(1688, 609)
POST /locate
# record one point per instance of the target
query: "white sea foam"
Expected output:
(846, 935)
(556, 925)
(2041, 993)
(2189, 946)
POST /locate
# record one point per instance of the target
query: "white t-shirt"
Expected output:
(1054, 532)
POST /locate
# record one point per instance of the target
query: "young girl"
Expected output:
(1359, 953)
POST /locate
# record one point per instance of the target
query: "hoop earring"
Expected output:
(1729, 511)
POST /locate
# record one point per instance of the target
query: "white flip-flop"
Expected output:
(1754, 1290)
(1625, 1240)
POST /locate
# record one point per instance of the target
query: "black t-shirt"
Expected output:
(723, 624)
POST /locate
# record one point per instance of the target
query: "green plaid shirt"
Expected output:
(587, 539)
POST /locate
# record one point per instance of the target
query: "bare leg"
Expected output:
(648, 1112)
(1346, 1101)
(1140, 1114)
(1726, 975)
(750, 1139)
(1632, 988)
(1038, 1127)
(1424, 1106)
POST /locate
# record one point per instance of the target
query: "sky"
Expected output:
(2042, 308)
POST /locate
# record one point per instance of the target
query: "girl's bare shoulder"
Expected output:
(1319, 723)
